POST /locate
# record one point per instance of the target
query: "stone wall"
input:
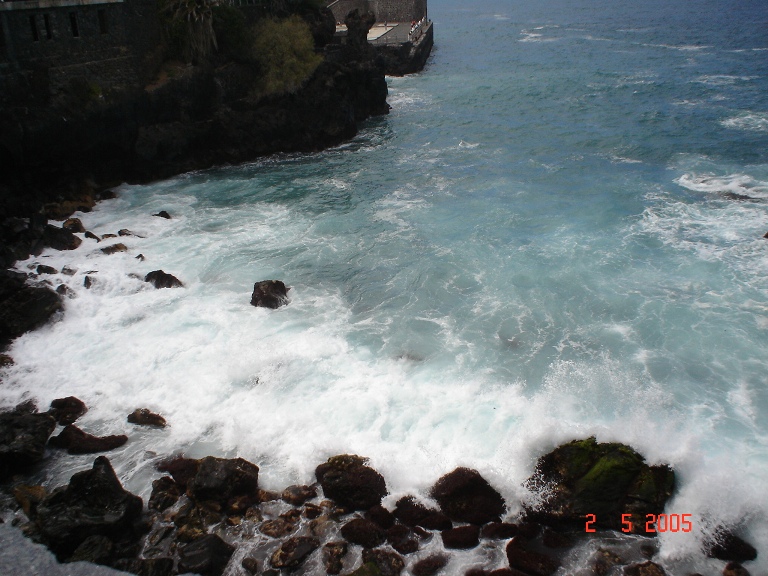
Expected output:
(385, 10)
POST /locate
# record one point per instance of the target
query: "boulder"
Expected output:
(160, 279)
(163, 214)
(499, 531)
(401, 539)
(22, 440)
(60, 238)
(43, 269)
(429, 565)
(92, 504)
(729, 547)
(67, 410)
(363, 532)
(388, 563)
(297, 495)
(143, 417)
(208, 556)
(294, 552)
(114, 248)
(224, 480)
(348, 481)
(22, 307)
(381, 516)
(145, 566)
(28, 497)
(277, 527)
(96, 549)
(269, 294)
(182, 469)
(92, 236)
(606, 480)
(73, 225)
(465, 496)
(533, 563)
(165, 493)
(644, 569)
(461, 538)
(75, 441)
(735, 569)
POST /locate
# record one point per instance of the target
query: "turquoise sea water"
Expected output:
(557, 232)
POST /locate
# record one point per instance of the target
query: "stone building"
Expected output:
(385, 10)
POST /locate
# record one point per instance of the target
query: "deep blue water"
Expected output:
(557, 232)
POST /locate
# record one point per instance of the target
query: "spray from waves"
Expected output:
(748, 121)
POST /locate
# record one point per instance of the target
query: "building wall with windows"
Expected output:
(385, 10)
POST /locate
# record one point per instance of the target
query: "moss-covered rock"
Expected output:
(606, 480)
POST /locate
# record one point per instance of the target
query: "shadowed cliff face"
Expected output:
(204, 116)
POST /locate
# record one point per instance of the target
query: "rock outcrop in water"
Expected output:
(269, 294)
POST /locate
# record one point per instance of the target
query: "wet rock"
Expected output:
(735, 569)
(68, 271)
(533, 563)
(28, 497)
(529, 530)
(160, 279)
(88, 281)
(208, 555)
(60, 239)
(75, 441)
(145, 566)
(96, 549)
(92, 504)
(462, 537)
(92, 236)
(347, 480)
(388, 563)
(277, 527)
(140, 258)
(430, 565)
(312, 511)
(22, 440)
(363, 532)
(644, 569)
(43, 269)
(143, 417)
(250, 565)
(333, 556)
(401, 539)
(499, 531)
(367, 569)
(73, 225)
(107, 195)
(25, 407)
(552, 539)
(114, 249)
(64, 290)
(412, 512)
(269, 496)
(22, 307)
(465, 496)
(67, 410)
(183, 470)
(294, 552)
(381, 516)
(163, 214)
(126, 232)
(607, 480)
(107, 236)
(729, 547)
(165, 493)
(269, 294)
(223, 480)
(5, 360)
(604, 561)
(297, 495)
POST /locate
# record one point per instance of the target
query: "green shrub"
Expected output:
(232, 34)
(285, 52)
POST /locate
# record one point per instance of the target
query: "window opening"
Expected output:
(73, 23)
(47, 22)
(35, 33)
(103, 21)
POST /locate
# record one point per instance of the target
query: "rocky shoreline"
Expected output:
(210, 515)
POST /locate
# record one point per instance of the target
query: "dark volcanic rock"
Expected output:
(165, 493)
(465, 496)
(222, 480)
(43, 269)
(160, 279)
(208, 555)
(429, 565)
(294, 552)
(552, 539)
(381, 516)
(269, 294)
(529, 562)
(735, 569)
(60, 239)
(67, 410)
(499, 530)
(297, 495)
(644, 569)
(92, 236)
(729, 547)
(145, 566)
(277, 527)
(143, 417)
(73, 225)
(182, 469)
(163, 214)
(607, 480)
(75, 441)
(347, 480)
(463, 537)
(401, 539)
(114, 248)
(22, 440)
(410, 512)
(363, 532)
(333, 555)
(96, 549)
(93, 504)
(22, 307)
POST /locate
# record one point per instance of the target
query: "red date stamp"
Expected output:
(654, 523)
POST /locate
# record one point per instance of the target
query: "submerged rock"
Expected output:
(163, 214)
(347, 480)
(465, 496)
(606, 480)
(269, 294)
(67, 410)
(75, 441)
(93, 504)
(160, 279)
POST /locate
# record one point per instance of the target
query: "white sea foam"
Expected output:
(749, 121)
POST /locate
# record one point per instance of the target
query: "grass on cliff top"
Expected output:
(285, 53)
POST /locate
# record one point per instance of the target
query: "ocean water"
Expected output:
(556, 233)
